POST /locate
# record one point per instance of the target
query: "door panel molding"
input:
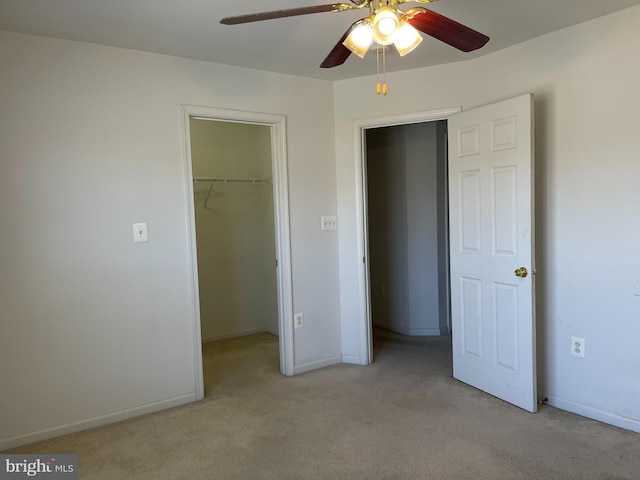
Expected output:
(501, 202)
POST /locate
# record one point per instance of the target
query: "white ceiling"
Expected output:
(294, 45)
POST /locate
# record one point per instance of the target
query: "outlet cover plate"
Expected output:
(577, 347)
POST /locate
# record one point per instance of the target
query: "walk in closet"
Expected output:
(407, 227)
(235, 234)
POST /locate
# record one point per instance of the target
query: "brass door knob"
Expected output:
(521, 272)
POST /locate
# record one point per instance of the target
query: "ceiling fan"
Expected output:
(386, 24)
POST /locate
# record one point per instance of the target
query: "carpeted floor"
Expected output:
(403, 417)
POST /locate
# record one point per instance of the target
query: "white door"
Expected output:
(491, 248)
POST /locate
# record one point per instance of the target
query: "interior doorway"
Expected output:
(235, 230)
(406, 185)
(491, 294)
(237, 181)
(368, 290)
(405, 171)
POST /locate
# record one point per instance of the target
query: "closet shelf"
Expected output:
(211, 180)
(256, 181)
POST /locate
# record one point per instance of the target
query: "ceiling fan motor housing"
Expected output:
(375, 5)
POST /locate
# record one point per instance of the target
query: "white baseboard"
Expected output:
(427, 332)
(273, 331)
(353, 360)
(391, 328)
(94, 422)
(317, 364)
(414, 332)
(593, 413)
(237, 333)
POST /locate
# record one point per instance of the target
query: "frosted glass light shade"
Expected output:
(407, 39)
(385, 26)
(360, 39)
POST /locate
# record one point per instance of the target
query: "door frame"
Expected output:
(362, 229)
(277, 124)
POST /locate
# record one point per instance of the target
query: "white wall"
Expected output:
(424, 142)
(234, 229)
(585, 80)
(95, 327)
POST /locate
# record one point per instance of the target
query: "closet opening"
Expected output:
(240, 249)
(405, 180)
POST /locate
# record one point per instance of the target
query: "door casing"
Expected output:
(360, 127)
(277, 123)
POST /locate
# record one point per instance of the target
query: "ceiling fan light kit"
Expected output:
(386, 24)
(360, 39)
(407, 39)
(384, 29)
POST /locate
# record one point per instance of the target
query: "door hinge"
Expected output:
(364, 259)
(276, 263)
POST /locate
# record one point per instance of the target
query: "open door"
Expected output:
(492, 251)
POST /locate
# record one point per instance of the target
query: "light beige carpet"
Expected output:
(403, 417)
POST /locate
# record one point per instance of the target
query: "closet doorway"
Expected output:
(402, 213)
(239, 228)
(406, 185)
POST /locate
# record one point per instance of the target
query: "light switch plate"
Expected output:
(329, 223)
(140, 232)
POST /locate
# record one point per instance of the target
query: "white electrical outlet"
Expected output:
(577, 347)
(298, 321)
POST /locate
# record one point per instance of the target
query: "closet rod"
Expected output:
(230, 180)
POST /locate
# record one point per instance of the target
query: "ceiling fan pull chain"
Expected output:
(377, 69)
(384, 72)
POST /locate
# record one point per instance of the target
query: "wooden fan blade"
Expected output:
(289, 12)
(339, 54)
(448, 31)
